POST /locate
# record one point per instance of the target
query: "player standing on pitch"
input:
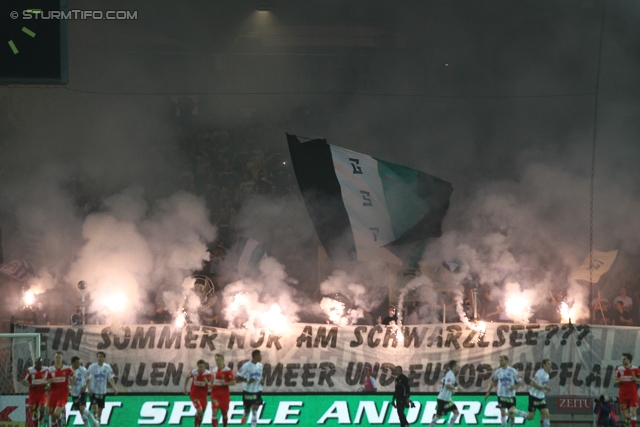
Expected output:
(200, 380)
(537, 393)
(220, 395)
(35, 377)
(507, 380)
(79, 392)
(625, 378)
(445, 405)
(61, 378)
(99, 374)
(250, 376)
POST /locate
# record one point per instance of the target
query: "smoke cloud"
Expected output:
(500, 104)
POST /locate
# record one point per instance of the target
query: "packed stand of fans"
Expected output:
(228, 166)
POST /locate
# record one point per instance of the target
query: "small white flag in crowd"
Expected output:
(602, 262)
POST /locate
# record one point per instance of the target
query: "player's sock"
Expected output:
(433, 422)
(244, 419)
(85, 419)
(452, 419)
(90, 416)
(546, 423)
(198, 421)
(214, 421)
(504, 420)
(224, 420)
(520, 413)
(254, 419)
(633, 421)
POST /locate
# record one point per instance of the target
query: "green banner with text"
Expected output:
(300, 409)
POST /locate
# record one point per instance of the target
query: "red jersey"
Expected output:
(219, 376)
(37, 379)
(198, 385)
(60, 377)
(627, 380)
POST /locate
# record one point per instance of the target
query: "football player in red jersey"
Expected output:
(61, 378)
(36, 378)
(625, 378)
(220, 396)
(199, 389)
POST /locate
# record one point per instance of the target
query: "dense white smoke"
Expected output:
(132, 249)
(263, 300)
(504, 128)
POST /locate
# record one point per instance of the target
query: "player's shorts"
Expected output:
(58, 398)
(98, 399)
(444, 407)
(536, 403)
(79, 401)
(199, 399)
(250, 399)
(628, 400)
(506, 402)
(222, 398)
(37, 398)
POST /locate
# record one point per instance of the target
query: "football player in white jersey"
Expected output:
(506, 379)
(79, 392)
(250, 376)
(537, 392)
(449, 386)
(100, 373)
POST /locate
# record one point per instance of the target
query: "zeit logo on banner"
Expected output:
(299, 409)
(574, 404)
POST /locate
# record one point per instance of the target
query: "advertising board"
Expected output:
(299, 409)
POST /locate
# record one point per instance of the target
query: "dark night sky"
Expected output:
(496, 97)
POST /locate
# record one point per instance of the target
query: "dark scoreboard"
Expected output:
(33, 42)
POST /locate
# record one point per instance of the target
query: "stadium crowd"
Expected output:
(227, 167)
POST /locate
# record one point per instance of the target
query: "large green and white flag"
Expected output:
(365, 208)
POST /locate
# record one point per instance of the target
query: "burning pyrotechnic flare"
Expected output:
(260, 315)
(115, 303)
(566, 312)
(334, 310)
(274, 319)
(239, 300)
(480, 327)
(29, 297)
(338, 310)
(181, 319)
(518, 308)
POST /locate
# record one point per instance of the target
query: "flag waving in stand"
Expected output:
(602, 262)
(364, 208)
(18, 269)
